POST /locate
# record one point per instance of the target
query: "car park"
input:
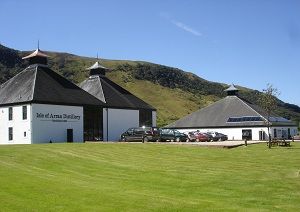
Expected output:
(143, 134)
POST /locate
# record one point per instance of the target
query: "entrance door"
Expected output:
(262, 135)
(247, 134)
(69, 135)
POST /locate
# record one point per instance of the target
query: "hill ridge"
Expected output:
(174, 92)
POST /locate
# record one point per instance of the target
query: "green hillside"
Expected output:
(127, 177)
(172, 91)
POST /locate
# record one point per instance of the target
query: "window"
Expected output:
(24, 109)
(10, 113)
(93, 124)
(24, 134)
(244, 119)
(145, 117)
(10, 133)
(275, 133)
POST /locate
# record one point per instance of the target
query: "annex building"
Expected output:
(236, 118)
(40, 106)
(120, 110)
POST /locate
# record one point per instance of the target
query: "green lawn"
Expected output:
(148, 177)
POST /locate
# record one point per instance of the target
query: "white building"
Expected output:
(236, 118)
(40, 106)
(121, 109)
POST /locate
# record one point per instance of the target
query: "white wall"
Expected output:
(20, 126)
(119, 120)
(46, 126)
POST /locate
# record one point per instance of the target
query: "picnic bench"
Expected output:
(284, 143)
(280, 142)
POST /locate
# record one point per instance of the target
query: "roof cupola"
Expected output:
(97, 68)
(37, 57)
(232, 90)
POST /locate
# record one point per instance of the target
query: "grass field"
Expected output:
(148, 177)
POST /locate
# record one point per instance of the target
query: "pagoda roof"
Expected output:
(230, 111)
(39, 84)
(36, 53)
(231, 88)
(111, 94)
(97, 65)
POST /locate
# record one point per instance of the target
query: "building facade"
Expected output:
(40, 123)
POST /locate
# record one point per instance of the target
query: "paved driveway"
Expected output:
(222, 144)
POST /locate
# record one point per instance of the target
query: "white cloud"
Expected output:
(186, 28)
(180, 25)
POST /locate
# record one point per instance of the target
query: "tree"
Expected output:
(268, 101)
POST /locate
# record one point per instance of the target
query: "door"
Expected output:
(247, 134)
(262, 135)
(69, 135)
(275, 133)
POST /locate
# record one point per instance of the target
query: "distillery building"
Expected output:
(40, 106)
(237, 118)
(121, 109)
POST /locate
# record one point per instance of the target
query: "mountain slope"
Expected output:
(173, 92)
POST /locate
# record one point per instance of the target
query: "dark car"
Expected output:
(172, 135)
(210, 137)
(143, 134)
(218, 136)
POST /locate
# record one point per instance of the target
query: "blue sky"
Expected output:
(246, 42)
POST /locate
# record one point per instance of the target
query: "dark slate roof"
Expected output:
(39, 84)
(112, 94)
(218, 113)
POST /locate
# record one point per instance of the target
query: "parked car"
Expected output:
(201, 137)
(172, 135)
(191, 136)
(143, 134)
(210, 137)
(218, 136)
